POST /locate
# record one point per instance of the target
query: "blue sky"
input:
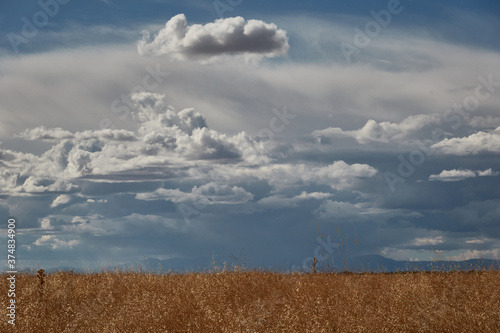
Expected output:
(163, 129)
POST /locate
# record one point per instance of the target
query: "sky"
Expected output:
(256, 132)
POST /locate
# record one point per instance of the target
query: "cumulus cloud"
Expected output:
(340, 174)
(488, 121)
(456, 175)
(163, 137)
(283, 177)
(96, 200)
(60, 200)
(57, 134)
(46, 134)
(383, 131)
(426, 241)
(154, 114)
(477, 254)
(453, 175)
(475, 241)
(36, 184)
(92, 224)
(480, 142)
(314, 195)
(167, 144)
(231, 36)
(488, 172)
(211, 193)
(186, 132)
(45, 224)
(54, 242)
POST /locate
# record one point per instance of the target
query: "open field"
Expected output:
(256, 302)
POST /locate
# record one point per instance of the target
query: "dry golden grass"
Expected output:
(256, 302)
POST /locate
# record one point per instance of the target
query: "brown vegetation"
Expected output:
(256, 302)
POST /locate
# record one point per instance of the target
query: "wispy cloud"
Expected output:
(456, 175)
(426, 241)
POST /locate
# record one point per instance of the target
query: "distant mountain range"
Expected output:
(375, 263)
(367, 263)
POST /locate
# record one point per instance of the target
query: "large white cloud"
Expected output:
(230, 36)
(186, 132)
(480, 142)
